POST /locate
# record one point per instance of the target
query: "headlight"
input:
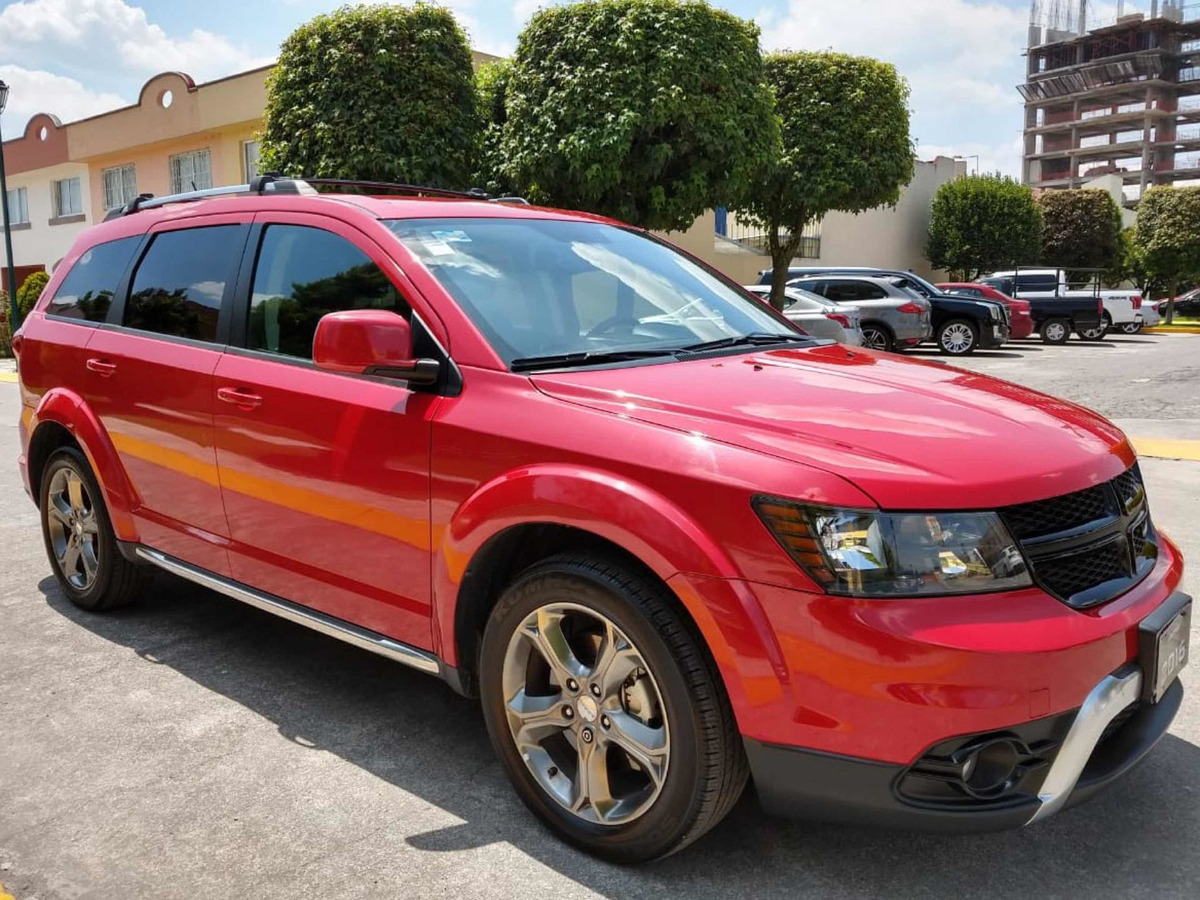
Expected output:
(874, 554)
(996, 313)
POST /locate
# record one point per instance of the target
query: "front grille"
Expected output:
(1089, 546)
(1032, 520)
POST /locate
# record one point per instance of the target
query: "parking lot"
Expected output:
(193, 747)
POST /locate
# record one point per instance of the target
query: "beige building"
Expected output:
(891, 237)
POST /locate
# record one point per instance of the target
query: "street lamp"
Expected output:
(12, 273)
(974, 156)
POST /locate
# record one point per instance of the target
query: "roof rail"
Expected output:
(270, 183)
(397, 187)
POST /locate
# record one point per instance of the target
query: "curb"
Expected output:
(1172, 329)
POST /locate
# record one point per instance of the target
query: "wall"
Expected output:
(43, 244)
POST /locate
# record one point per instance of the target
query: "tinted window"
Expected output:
(966, 291)
(852, 291)
(1047, 282)
(87, 291)
(302, 274)
(179, 283)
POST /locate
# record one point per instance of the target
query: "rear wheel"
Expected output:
(1056, 331)
(1098, 333)
(877, 337)
(606, 711)
(1131, 327)
(958, 337)
(79, 538)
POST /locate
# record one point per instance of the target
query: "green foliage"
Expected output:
(491, 85)
(5, 328)
(374, 92)
(1168, 236)
(30, 290)
(980, 223)
(846, 146)
(649, 111)
(1080, 229)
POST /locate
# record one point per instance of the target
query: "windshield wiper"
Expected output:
(585, 358)
(754, 339)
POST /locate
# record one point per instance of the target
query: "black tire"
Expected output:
(707, 769)
(1056, 331)
(1097, 334)
(878, 337)
(117, 581)
(954, 333)
(1132, 327)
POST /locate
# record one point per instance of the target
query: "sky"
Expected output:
(962, 58)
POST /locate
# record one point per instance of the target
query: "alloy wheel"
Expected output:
(1093, 333)
(586, 713)
(874, 339)
(1131, 327)
(957, 338)
(74, 531)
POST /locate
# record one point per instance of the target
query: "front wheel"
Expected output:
(1056, 331)
(958, 337)
(607, 712)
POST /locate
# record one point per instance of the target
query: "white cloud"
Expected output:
(33, 91)
(96, 36)
(496, 41)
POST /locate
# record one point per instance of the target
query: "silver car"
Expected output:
(819, 317)
(891, 318)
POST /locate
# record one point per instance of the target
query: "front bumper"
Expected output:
(994, 335)
(1059, 761)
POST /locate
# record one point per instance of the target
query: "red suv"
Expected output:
(669, 542)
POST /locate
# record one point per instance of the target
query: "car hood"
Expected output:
(911, 434)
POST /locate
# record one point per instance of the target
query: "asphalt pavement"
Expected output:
(193, 747)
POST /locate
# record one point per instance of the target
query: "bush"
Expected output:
(649, 111)
(30, 290)
(1080, 229)
(5, 328)
(491, 85)
(981, 223)
(381, 93)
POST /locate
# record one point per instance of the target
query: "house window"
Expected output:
(67, 196)
(191, 171)
(120, 186)
(18, 206)
(250, 159)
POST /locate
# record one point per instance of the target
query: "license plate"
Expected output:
(1164, 647)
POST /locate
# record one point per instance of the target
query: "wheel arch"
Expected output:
(63, 418)
(520, 519)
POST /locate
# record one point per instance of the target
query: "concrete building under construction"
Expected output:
(1112, 97)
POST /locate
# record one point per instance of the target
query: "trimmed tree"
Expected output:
(1081, 229)
(649, 111)
(381, 93)
(29, 291)
(980, 223)
(846, 147)
(1168, 237)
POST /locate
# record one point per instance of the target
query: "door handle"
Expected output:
(239, 398)
(101, 367)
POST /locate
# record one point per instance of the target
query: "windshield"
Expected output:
(544, 287)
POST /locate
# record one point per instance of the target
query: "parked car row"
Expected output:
(899, 310)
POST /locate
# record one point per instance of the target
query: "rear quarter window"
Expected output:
(86, 292)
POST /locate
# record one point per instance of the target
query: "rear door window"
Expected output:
(854, 291)
(87, 291)
(180, 282)
(302, 274)
(1042, 283)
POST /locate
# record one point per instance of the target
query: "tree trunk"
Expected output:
(1170, 317)
(782, 254)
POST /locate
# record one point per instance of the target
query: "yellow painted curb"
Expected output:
(5, 895)
(1167, 448)
(12, 377)
(1173, 329)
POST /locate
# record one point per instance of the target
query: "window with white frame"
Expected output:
(67, 197)
(191, 171)
(250, 159)
(18, 206)
(120, 186)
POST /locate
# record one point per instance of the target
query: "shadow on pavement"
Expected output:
(409, 729)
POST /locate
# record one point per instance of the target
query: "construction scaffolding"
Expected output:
(1116, 96)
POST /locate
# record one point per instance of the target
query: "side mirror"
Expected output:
(370, 342)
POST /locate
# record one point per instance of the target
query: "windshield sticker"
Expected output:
(438, 248)
(452, 237)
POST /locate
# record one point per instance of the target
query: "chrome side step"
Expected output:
(293, 612)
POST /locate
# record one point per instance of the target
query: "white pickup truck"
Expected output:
(1122, 309)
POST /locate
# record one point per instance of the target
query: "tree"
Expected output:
(382, 93)
(1168, 236)
(1080, 229)
(491, 85)
(29, 291)
(980, 223)
(649, 111)
(846, 146)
